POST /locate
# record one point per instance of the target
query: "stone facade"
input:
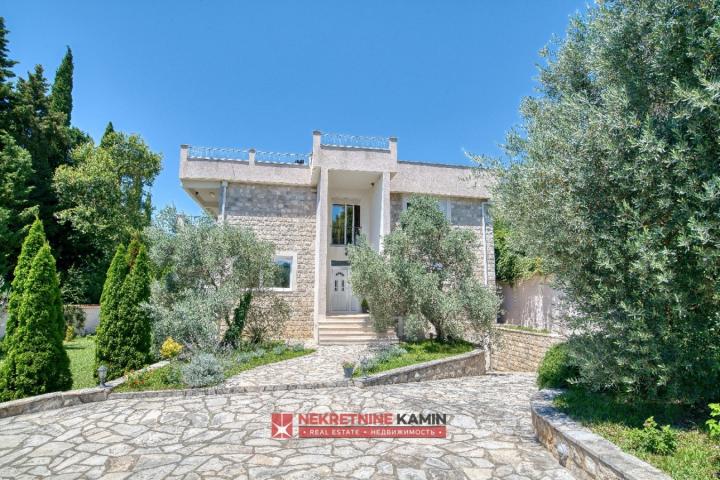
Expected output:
(520, 351)
(284, 216)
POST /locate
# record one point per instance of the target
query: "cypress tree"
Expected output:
(105, 140)
(32, 244)
(124, 333)
(15, 207)
(6, 73)
(61, 94)
(133, 334)
(109, 300)
(36, 361)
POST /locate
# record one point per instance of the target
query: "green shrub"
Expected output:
(203, 370)
(36, 361)
(556, 368)
(714, 423)
(109, 318)
(69, 333)
(32, 244)
(654, 439)
(74, 319)
(124, 332)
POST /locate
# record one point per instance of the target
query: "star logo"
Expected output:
(281, 425)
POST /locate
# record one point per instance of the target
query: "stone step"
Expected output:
(358, 340)
(350, 329)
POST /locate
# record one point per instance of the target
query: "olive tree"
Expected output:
(425, 274)
(614, 181)
(204, 272)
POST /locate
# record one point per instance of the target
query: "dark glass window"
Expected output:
(282, 272)
(345, 223)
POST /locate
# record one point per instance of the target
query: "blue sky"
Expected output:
(441, 76)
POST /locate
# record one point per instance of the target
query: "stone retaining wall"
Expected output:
(586, 455)
(465, 365)
(50, 401)
(521, 351)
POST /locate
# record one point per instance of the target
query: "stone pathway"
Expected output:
(324, 365)
(228, 436)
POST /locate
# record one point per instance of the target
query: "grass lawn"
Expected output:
(168, 377)
(418, 352)
(696, 457)
(82, 361)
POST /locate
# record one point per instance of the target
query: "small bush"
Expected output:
(244, 357)
(714, 423)
(279, 350)
(653, 439)
(203, 370)
(556, 368)
(170, 348)
(69, 333)
(298, 347)
(75, 318)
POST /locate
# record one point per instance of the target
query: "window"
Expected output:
(284, 274)
(345, 223)
(443, 204)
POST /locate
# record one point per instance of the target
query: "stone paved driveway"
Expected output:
(227, 436)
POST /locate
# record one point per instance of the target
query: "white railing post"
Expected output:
(251, 156)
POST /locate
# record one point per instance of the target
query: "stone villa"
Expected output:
(312, 205)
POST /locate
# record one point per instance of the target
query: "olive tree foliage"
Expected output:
(614, 181)
(425, 275)
(203, 271)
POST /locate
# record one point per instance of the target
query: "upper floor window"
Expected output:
(345, 223)
(443, 204)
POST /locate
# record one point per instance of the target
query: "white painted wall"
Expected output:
(534, 303)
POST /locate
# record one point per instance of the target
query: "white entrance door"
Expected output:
(340, 292)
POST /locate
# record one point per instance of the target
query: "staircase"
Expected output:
(351, 329)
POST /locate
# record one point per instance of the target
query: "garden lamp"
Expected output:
(102, 374)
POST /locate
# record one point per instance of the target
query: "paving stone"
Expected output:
(228, 436)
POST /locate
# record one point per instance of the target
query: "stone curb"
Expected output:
(466, 364)
(50, 401)
(530, 332)
(585, 454)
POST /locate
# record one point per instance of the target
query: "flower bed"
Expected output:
(170, 377)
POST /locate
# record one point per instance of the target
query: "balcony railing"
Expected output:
(248, 155)
(219, 153)
(354, 141)
(283, 157)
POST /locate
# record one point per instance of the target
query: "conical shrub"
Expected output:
(105, 337)
(36, 361)
(32, 244)
(124, 334)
